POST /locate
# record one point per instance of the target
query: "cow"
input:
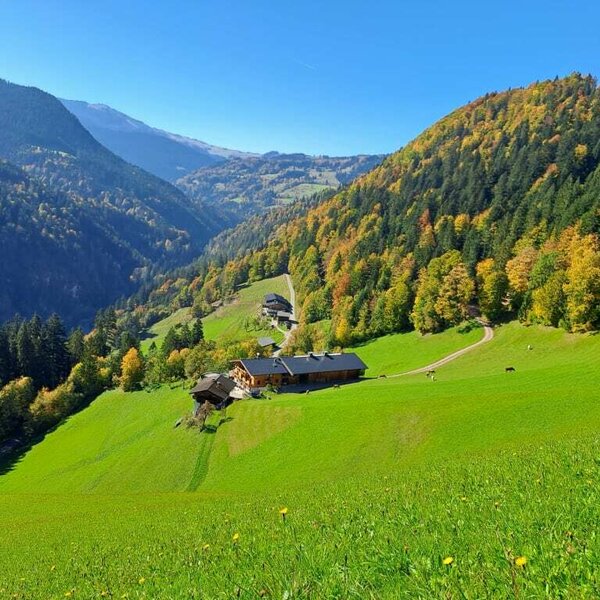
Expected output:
(509, 370)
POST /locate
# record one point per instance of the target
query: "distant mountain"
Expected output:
(79, 225)
(245, 186)
(167, 155)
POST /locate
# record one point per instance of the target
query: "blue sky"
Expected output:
(331, 77)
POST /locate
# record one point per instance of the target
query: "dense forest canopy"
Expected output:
(78, 225)
(497, 204)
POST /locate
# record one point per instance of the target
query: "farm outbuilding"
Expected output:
(214, 388)
(254, 374)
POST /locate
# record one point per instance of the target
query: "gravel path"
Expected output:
(488, 335)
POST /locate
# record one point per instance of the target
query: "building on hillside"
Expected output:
(255, 374)
(266, 342)
(214, 388)
(272, 303)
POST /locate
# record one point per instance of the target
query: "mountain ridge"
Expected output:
(155, 150)
(136, 218)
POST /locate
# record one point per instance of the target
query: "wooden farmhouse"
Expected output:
(254, 374)
(274, 303)
(214, 388)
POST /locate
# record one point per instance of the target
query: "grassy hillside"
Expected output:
(398, 353)
(383, 480)
(386, 425)
(295, 440)
(122, 443)
(519, 524)
(157, 332)
(230, 320)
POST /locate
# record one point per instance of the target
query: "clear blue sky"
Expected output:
(334, 77)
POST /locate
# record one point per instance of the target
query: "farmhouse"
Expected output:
(274, 303)
(254, 374)
(214, 388)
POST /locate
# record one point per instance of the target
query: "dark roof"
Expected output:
(323, 363)
(300, 365)
(218, 385)
(275, 299)
(266, 341)
(263, 366)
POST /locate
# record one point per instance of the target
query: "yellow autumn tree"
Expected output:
(519, 269)
(132, 370)
(582, 288)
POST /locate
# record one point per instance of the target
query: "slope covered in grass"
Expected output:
(121, 443)
(386, 425)
(233, 320)
(383, 480)
(126, 442)
(159, 330)
(367, 537)
(398, 353)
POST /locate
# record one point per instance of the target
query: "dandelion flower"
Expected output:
(283, 511)
(448, 560)
(521, 561)
(206, 547)
(236, 537)
(142, 580)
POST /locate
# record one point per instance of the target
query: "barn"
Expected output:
(214, 388)
(255, 374)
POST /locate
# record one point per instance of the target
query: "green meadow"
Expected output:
(159, 330)
(384, 481)
(233, 321)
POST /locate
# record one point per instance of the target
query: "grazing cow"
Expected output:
(336, 386)
(382, 376)
(430, 373)
(509, 370)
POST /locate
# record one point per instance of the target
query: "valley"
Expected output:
(307, 376)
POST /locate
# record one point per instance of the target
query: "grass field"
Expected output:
(159, 330)
(229, 322)
(383, 480)
(398, 353)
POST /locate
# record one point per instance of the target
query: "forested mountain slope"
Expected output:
(497, 204)
(78, 225)
(159, 152)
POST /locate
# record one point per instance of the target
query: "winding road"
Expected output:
(288, 332)
(488, 335)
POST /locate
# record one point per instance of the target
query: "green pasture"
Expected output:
(382, 479)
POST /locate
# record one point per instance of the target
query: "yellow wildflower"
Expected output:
(236, 537)
(206, 547)
(521, 561)
(283, 511)
(142, 580)
(448, 560)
